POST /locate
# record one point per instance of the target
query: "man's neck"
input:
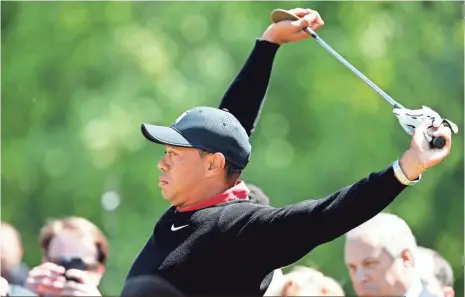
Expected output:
(204, 192)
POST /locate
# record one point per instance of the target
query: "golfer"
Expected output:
(201, 244)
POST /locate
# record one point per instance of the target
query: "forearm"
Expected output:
(245, 96)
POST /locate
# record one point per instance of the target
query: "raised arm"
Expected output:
(295, 230)
(246, 95)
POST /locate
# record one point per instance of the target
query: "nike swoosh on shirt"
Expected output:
(173, 228)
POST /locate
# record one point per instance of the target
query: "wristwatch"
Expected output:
(400, 175)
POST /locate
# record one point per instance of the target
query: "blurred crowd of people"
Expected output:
(382, 258)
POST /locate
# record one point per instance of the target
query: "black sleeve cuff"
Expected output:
(266, 47)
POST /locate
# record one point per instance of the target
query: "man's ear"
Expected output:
(448, 291)
(215, 164)
(407, 257)
(98, 272)
(100, 269)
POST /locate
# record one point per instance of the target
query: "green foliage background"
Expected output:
(78, 78)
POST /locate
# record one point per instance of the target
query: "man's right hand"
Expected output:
(48, 279)
(292, 31)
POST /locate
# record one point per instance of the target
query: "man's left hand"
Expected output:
(421, 156)
(81, 287)
(292, 31)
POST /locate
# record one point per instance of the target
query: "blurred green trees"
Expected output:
(78, 79)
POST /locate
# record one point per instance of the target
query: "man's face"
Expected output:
(310, 283)
(183, 170)
(373, 271)
(11, 254)
(296, 289)
(73, 245)
(313, 288)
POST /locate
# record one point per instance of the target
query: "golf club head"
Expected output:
(279, 15)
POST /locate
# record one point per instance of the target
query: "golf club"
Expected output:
(278, 15)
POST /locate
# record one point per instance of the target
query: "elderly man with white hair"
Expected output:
(435, 271)
(380, 257)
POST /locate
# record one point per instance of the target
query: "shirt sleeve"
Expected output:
(284, 235)
(246, 95)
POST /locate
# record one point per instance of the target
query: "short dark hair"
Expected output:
(231, 169)
(257, 195)
(78, 224)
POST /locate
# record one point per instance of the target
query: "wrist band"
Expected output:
(400, 175)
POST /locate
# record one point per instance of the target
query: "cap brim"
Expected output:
(164, 135)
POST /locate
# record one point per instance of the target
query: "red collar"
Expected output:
(239, 191)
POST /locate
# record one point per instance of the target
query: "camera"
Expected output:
(72, 263)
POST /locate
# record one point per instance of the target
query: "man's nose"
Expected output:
(361, 275)
(162, 165)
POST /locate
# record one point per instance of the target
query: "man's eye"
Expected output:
(371, 264)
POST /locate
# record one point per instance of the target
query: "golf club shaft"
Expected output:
(438, 142)
(388, 98)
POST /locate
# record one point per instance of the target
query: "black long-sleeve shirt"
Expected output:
(206, 251)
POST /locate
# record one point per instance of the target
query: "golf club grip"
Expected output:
(438, 142)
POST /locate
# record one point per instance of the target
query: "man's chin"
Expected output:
(371, 294)
(367, 293)
(164, 194)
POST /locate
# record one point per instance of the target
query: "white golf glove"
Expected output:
(409, 119)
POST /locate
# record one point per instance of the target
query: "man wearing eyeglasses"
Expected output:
(75, 252)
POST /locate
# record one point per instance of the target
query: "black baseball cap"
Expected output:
(211, 129)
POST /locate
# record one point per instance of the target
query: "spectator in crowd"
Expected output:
(13, 270)
(380, 257)
(75, 252)
(306, 281)
(4, 287)
(434, 269)
(7, 289)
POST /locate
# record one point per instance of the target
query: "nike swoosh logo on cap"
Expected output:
(173, 228)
